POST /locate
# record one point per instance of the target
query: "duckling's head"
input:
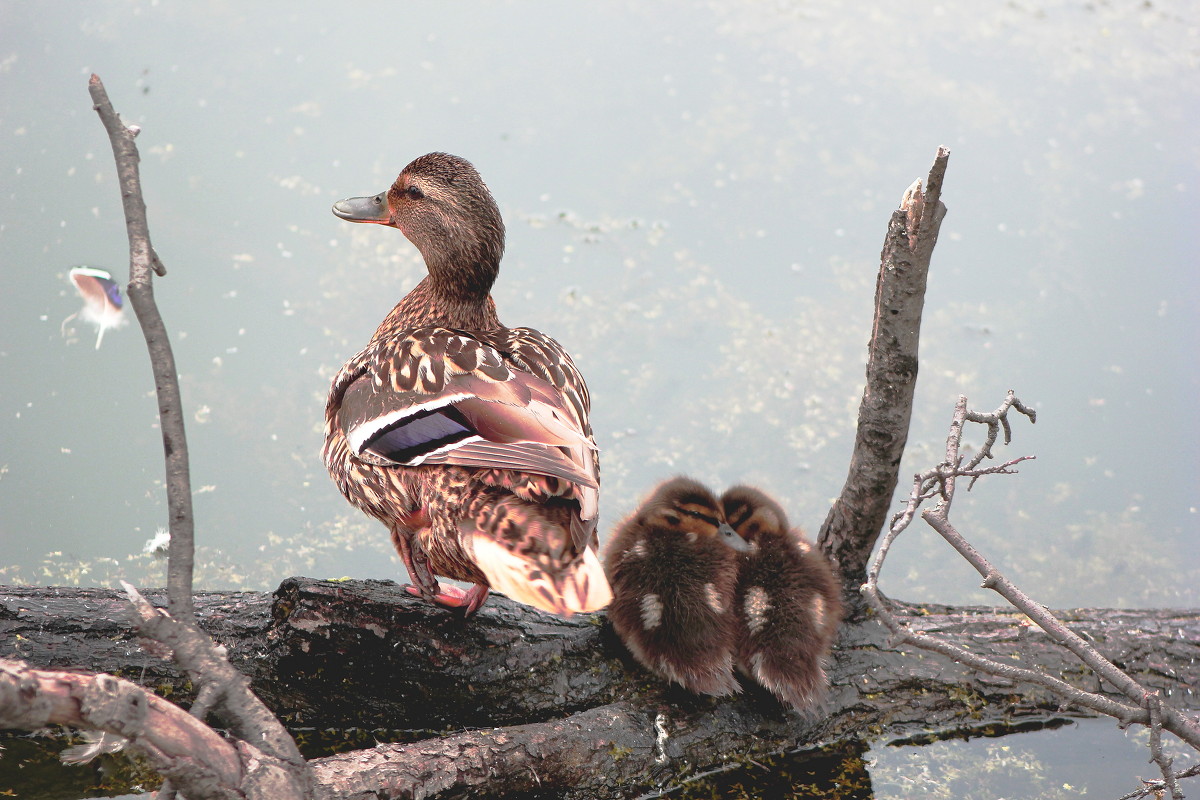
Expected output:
(753, 514)
(443, 207)
(684, 506)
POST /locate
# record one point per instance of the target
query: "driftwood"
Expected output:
(364, 653)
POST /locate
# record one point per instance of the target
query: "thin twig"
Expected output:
(142, 262)
(1123, 712)
(941, 482)
(1164, 762)
(1157, 787)
(995, 421)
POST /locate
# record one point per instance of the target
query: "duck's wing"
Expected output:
(437, 396)
(536, 353)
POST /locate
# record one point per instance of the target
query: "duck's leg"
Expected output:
(426, 585)
(416, 562)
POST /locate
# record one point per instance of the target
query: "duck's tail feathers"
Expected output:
(578, 588)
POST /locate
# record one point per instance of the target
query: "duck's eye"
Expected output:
(414, 193)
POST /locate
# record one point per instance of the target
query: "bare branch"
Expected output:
(176, 744)
(274, 760)
(1145, 709)
(218, 680)
(857, 517)
(142, 262)
(1174, 721)
(1154, 706)
(1157, 787)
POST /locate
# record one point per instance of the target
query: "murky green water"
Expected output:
(695, 196)
(1089, 758)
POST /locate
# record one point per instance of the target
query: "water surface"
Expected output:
(696, 198)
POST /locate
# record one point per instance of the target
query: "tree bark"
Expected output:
(564, 693)
(857, 516)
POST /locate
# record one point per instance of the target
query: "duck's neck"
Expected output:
(431, 303)
(457, 291)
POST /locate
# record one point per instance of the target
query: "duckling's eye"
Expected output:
(414, 193)
(700, 515)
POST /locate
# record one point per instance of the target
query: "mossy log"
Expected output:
(364, 654)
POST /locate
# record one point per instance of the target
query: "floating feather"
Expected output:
(103, 305)
(95, 743)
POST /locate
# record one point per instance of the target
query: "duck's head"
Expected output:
(753, 514)
(684, 506)
(443, 207)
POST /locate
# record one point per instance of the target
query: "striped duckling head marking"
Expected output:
(788, 601)
(684, 506)
(673, 568)
(752, 513)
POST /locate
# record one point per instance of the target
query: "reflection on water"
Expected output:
(694, 213)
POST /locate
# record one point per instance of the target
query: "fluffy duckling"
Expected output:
(787, 604)
(673, 567)
(468, 439)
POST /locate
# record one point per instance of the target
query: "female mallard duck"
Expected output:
(673, 567)
(469, 440)
(788, 604)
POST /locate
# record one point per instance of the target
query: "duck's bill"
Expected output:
(364, 209)
(730, 538)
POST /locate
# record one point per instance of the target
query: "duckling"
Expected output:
(469, 440)
(673, 567)
(788, 603)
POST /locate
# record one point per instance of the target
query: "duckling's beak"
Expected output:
(730, 537)
(365, 209)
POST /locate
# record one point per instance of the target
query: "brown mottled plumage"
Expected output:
(468, 439)
(673, 567)
(788, 603)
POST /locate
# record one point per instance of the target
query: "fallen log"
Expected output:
(366, 654)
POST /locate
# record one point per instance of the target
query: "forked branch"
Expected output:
(273, 760)
(176, 744)
(1142, 707)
